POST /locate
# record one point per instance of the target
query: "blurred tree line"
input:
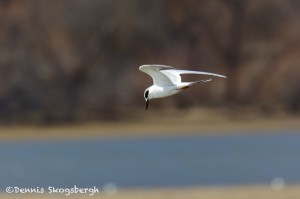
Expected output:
(66, 60)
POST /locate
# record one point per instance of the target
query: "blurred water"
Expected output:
(152, 162)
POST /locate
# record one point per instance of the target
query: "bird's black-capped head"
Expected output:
(146, 96)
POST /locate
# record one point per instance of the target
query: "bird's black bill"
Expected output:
(147, 104)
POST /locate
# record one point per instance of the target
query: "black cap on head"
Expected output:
(146, 94)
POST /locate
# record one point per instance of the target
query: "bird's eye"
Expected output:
(146, 94)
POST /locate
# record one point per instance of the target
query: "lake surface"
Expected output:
(153, 162)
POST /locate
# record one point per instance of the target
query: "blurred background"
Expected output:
(79, 60)
(71, 62)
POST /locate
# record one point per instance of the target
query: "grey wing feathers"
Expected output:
(199, 73)
(158, 77)
(155, 67)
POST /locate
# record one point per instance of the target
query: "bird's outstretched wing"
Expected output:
(155, 71)
(174, 74)
(166, 75)
(196, 72)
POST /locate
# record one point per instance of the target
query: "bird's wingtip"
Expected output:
(223, 76)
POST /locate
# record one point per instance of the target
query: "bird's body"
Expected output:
(159, 91)
(167, 81)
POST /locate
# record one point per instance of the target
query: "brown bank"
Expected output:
(247, 192)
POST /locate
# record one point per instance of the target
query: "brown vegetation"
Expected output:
(71, 60)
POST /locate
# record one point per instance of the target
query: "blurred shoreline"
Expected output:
(169, 123)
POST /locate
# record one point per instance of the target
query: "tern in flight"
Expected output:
(167, 81)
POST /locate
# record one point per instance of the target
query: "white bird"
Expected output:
(167, 81)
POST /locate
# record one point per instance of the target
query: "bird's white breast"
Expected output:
(159, 92)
